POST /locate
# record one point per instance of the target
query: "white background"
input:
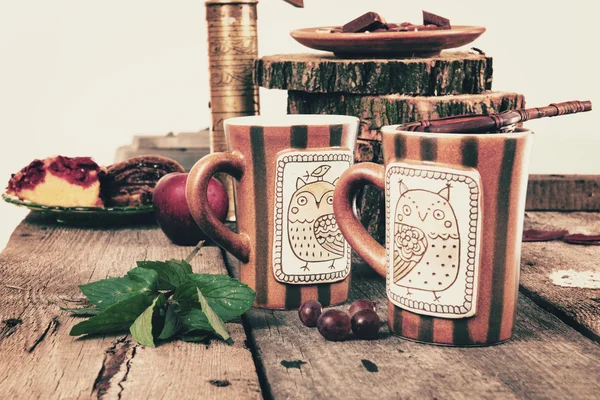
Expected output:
(81, 77)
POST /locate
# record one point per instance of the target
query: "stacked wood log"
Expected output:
(384, 92)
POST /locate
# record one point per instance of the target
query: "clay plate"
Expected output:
(389, 44)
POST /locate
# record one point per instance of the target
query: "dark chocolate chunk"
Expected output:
(296, 3)
(367, 22)
(432, 19)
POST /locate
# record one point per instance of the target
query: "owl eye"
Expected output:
(302, 200)
(330, 200)
(438, 214)
(406, 209)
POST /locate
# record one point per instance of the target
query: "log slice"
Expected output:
(448, 73)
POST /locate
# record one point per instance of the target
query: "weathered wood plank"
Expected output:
(578, 306)
(40, 270)
(545, 359)
(450, 73)
(563, 193)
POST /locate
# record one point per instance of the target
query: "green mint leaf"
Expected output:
(145, 277)
(172, 323)
(213, 319)
(228, 297)
(194, 337)
(171, 273)
(83, 311)
(107, 292)
(141, 330)
(193, 319)
(116, 318)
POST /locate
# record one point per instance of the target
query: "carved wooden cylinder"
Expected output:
(232, 50)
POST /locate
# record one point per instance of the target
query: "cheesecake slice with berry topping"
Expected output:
(59, 181)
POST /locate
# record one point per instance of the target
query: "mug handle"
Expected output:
(352, 180)
(238, 244)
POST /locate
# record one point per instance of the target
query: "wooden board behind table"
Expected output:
(543, 261)
(40, 269)
(563, 193)
(545, 359)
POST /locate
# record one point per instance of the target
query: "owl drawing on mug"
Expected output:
(426, 241)
(313, 233)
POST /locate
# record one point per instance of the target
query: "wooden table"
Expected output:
(554, 354)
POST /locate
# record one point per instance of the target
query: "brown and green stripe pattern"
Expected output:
(255, 196)
(502, 163)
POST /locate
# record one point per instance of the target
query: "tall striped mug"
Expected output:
(288, 242)
(454, 206)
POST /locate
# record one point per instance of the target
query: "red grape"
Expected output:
(310, 312)
(362, 304)
(334, 325)
(365, 324)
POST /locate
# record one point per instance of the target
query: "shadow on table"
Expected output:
(90, 221)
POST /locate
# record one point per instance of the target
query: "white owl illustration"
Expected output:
(313, 233)
(426, 241)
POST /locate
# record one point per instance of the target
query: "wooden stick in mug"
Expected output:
(495, 123)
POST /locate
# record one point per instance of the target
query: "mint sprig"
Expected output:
(215, 322)
(164, 300)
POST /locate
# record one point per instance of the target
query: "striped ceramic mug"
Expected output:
(454, 207)
(289, 245)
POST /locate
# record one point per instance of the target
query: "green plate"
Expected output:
(87, 215)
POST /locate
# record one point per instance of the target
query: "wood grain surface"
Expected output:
(563, 193)
(577, 306)
(43, 264)
(449, 73)
(40, 270)
(545, 359)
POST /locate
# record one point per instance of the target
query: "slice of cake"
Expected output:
(59, 181)
(131, 182)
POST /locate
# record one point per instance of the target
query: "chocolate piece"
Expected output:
(429, 18)
(367, 22)
(296, 3)
(131, 182)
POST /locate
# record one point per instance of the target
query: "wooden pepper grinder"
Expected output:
(232, 50)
